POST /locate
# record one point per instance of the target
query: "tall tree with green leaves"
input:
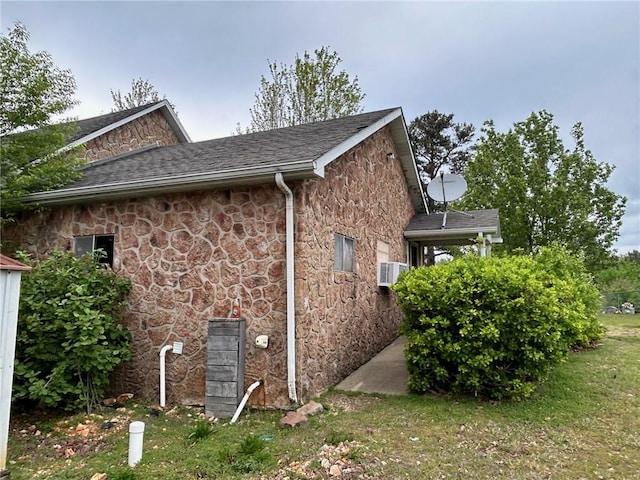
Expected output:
(546, 193)
(439, 144)
(310, 90)
(33, 90)
(142, 93)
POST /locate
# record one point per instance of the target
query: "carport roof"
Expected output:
(460, 228)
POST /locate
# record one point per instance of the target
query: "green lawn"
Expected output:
(583, 423)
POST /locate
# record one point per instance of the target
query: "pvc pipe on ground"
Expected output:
(250, 390)
(136, 436)
(163, 352)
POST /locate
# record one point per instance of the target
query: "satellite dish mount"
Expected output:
(447, 188)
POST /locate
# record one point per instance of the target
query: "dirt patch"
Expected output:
(623, 332)
(349, 403)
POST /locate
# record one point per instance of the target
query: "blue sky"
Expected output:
(478, 60)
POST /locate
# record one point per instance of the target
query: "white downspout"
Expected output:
(291, 305)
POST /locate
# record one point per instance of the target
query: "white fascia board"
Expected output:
(170, 184)
(409, 162)
(175, 122)
(453, 233)
(173, 119)
(352, 141)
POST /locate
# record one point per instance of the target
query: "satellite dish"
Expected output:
(447, 188)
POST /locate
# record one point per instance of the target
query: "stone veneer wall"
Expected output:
(344, 319)
(188, 256)
(146, 130)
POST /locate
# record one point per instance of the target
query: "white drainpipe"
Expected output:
(249, 391)
(163, 352)
(291, 305)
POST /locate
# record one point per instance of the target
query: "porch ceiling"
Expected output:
(460, 228)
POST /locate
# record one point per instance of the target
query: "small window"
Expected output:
(344, 253)
(89, 243)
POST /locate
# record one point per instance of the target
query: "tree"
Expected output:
(620, 282)
(142, 93)
(546, 194)
(310, 90)
(32, 91)
(439, 143)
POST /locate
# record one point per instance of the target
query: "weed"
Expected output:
(251, 445)
(200, 431)
(127, 474)
(336, 438)
(354, 454)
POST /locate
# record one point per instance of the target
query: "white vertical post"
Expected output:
(136, 437)
(483, 245)
(10, 272)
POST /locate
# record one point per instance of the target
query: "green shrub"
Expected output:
(494, 326)
(69, 333)
(575, 287)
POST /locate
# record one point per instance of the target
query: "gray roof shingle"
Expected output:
(461, 228)
(272, 148)
(477, 219)
(90, 125)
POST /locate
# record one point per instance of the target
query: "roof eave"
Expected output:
(248, 176)
(452, 233)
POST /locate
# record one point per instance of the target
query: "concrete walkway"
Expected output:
(384, 373)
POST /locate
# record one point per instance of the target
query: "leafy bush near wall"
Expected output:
(70, 335)
(495, 326)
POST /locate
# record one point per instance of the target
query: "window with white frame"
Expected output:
(344, 260)
(89, 243)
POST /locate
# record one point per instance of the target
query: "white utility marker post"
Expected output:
(10, 272)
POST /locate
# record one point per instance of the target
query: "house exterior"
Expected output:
(292, 221)
(120, 132)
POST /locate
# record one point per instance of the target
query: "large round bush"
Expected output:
(494, 326)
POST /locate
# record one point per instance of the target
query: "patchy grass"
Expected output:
(583, 423)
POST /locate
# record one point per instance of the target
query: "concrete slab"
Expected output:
(385, 373)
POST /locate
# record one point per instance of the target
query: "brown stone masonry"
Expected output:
(146, 130)
(344, 319)
(189, 255)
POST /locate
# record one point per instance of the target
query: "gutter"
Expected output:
(178, 183)
(291, 305)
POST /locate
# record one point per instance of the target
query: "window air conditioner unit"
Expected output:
(388, 272)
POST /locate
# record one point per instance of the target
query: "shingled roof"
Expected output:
(301, 151)
(89, 128)
(460, 228)
(93, 127)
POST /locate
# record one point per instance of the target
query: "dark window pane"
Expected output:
(82, 245)
(105, 243)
